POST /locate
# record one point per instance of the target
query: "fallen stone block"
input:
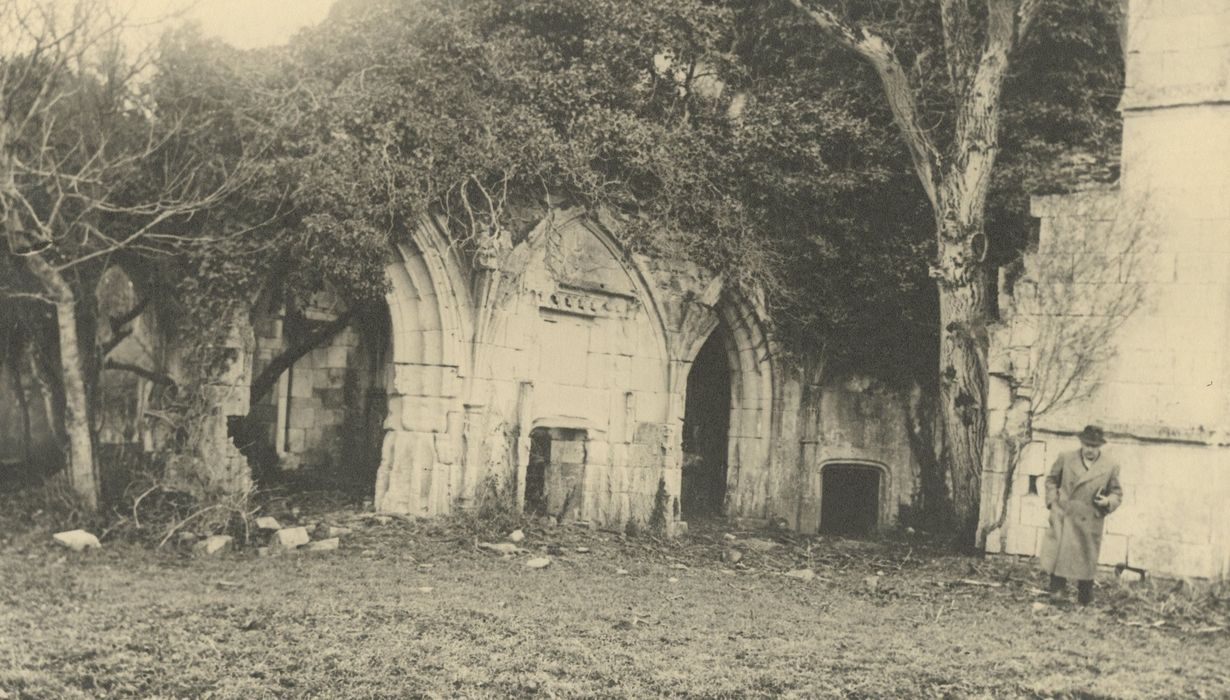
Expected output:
(328, 532)
(539, 562)
(872, 583)
(729, 537)
(268, 522)
(732, 556)
(77, 540)
(213, 544)
(328, 545)
(516, 536)
(291, 537)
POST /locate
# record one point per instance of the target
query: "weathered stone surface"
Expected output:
(213, 544)
(268, 522)
(291, 537)
(328, 545)
(538, 562)
(325, 531)
(77, 540)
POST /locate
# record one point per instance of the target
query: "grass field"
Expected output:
(416, 610)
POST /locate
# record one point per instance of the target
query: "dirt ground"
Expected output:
(408, 609)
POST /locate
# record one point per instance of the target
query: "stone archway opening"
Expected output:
(849, 499)
(706, 428)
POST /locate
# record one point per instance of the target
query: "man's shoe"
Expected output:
(1084, 592)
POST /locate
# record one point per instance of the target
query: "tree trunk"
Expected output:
(82, 469)
(963, 387)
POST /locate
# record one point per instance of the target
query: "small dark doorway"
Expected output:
(850, 499)
(706, 422)
(555, 474)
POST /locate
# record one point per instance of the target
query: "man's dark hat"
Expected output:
(1092, 436)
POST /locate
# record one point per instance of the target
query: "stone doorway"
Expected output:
(555, 474)
(849, 499)
(706, 427)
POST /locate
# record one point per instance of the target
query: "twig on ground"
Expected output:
(175, 528)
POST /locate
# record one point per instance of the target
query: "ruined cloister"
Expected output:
(583, 381)
(563, 373)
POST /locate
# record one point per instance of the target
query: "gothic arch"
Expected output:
(429, 315)
(750, 358)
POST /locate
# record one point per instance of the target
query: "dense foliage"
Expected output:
(716, 131)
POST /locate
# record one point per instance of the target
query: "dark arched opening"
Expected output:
(706, 424)
(849, 499)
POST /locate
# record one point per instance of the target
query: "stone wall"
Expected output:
(565, 334)
(1162, 397)
(324, 412)
(853, 422)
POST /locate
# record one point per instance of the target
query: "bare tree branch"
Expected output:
(897, 88)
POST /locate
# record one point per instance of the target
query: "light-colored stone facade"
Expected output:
(1163, 399)
(567, 337)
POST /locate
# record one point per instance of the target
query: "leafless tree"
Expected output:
(89, 170)
(954, 166)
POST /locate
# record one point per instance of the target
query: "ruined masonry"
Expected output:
(588, 383)
(1164, 399)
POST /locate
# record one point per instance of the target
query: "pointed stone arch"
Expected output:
(420, 462)
(751, 361)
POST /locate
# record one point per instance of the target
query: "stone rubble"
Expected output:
(77, 540)
(328, 545)
(291, 537)
(213, 544)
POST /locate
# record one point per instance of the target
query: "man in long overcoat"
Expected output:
(1082, 488)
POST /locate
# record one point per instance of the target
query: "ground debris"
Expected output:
(328, 545)
(759, 545)
(213, 544)
(802, 574)
(291, 537)
(505, 548)
(76, 540)
(973, 582)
